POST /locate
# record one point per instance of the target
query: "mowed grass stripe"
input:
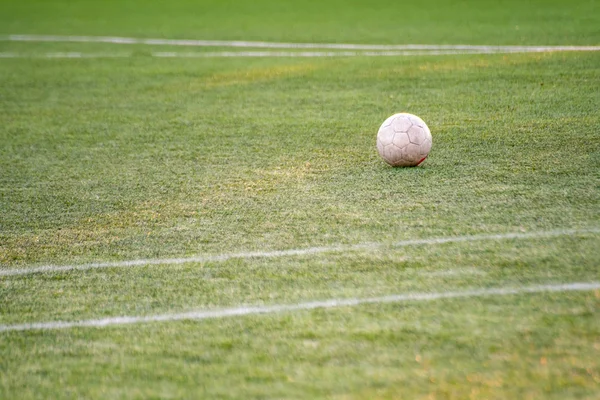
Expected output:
(279, 308)
(296, 252)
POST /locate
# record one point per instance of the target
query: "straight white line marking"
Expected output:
(279, 54)
(314, 54)
(85, 55)
(65, 55)
(305, 54)
(279, 45)
(452, 272)
(272, 309)
(294, 252)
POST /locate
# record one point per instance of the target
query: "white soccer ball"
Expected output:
(404, 140)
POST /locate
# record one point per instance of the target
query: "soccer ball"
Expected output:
(404, 140)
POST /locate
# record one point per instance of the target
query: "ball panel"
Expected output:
(380, 147)
(387, 122)
(417, 121)
(426, 147)
(412, 153)
(402, 163)
(392, 154)
(416, 134)
(401, 139)
(401, 123)
(386, 136)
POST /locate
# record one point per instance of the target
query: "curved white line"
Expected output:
(279, 308)
(293, 252)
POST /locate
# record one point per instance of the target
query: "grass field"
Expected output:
(151, 187)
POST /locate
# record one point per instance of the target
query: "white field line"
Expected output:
(305, 54)
(279, 308)
(242, 54)
(295, 252)
(452, 272)
(65, 55)
(314, 54)
(278, 45)
(279, 54)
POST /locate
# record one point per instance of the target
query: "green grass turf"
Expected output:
(119, 159)
(385, 21)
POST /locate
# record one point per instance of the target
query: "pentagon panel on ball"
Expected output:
(404, 140)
